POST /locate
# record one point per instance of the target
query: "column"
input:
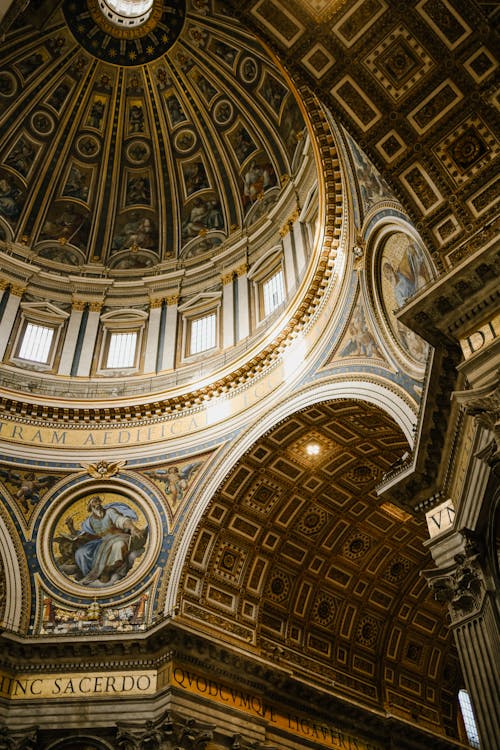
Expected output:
(9, 316)
(152, 338)
(227, 310)
(168, 358)
(89, 339)
(71, 338)
(243, 306)
(463, 587)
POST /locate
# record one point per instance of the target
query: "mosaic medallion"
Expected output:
(102, 540)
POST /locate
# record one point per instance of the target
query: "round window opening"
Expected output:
(126, 13)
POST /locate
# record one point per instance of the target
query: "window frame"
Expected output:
(201, 306)
(262, 271)
(44, 315)
(118, 322)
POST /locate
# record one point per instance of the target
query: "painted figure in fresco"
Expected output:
(195, 177)
(174, 480)
(28, 487)
(22, 156)
(136, 119)
(203, 215)
(361, 342)
(96, 114)
(138, 190)
(138, 230)
(76, 184)
(103, 550)
(10, 196)
(410, 275)
(257, 180)
(175, 111)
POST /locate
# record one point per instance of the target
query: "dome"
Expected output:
(197, 127)
(149, 164)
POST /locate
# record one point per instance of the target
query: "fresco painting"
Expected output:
(404, 270)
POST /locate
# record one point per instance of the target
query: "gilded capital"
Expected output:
(173, 299)
(18, 291)
(156, 302)
(78, 305)
(95, 306)
(227, 277)
(242, 270)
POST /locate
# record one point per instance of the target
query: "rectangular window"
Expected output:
(36, 343)
(273, 290)
(202, 334)
(121, 352)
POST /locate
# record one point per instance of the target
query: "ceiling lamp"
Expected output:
(312, 449)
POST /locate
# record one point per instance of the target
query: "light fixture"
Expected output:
(312, 449)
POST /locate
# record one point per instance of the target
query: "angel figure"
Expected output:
(174, 480)
(31, 487)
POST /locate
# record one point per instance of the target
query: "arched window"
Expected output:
(468, 717)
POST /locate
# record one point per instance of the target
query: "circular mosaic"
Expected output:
(223, 112)
(102, 540)
(128, 45)
(88, 146)
(248, 70)
(42, 123)
(138, 152)
(8, 84)
(185, 141)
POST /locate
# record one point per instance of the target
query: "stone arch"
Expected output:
(372, 392)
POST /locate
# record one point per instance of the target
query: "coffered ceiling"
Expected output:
(415, 83)
(297, 558)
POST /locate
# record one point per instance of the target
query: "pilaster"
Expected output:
(227, 310)
(243, 307)
(9, 316)
(71, 338)
(168, 358)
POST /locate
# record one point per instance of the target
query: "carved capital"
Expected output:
(166, 733)
(95, 306)
(156, 302)
(78, 305)
(227, 277)
(173, 299)
(461, 586)
(484, 405)
(25, 739)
